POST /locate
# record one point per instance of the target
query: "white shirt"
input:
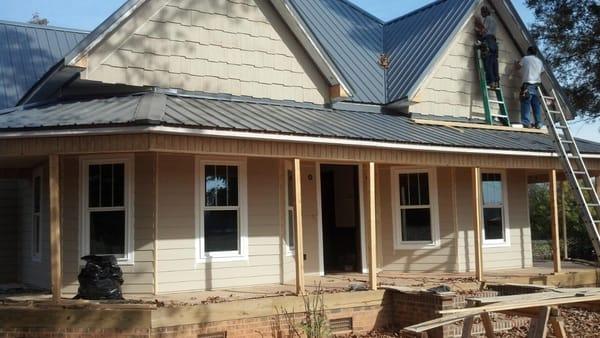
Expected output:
(531, 69)
(491, 27)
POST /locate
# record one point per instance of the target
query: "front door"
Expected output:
(340, 210)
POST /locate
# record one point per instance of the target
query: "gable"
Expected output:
(237, 47)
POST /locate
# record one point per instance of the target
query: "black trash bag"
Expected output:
(100, 278)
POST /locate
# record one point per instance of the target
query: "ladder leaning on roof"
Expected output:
(503, 115)
(575, 168)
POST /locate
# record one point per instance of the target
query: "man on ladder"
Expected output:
(531, 72)
(486, 27)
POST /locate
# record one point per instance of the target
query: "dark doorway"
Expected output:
(340, 212)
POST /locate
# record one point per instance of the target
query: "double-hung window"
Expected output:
(493, 193)
(414, 207)
(107, 208)
(222, 214)
(36, 225)
(289, 209)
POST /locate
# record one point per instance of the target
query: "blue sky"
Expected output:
(87, 14)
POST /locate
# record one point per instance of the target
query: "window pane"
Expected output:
(232, 186)
(291, 235)
(290, 188)
(416, 225)
(118, 185)
(106, 185)
(36, 234)
(37, 193)
(94, 186)
(414, 189)
(492, 222)
(492, 189)
(221, 185)
(220, 230)
(210, 182)
(107, 233)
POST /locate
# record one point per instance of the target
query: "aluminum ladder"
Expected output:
(503, 115)
(575, 168)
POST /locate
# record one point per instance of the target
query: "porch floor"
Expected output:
(576, 274)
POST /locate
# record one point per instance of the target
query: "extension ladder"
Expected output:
(575, 168)
(503, 115)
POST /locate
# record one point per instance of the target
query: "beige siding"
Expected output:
(453, 89)
(139, 277)
(516, 255)
(9, 231)
(442, 258)
(238, 47)
(177, 267)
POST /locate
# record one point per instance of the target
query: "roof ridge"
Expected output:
(54, 28)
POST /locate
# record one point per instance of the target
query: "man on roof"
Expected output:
(486, 27)
(531, 68)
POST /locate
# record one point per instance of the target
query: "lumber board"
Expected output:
(558, 326)
(477, 219)
(55, 228)
(452, 124)
(539, 325)
(371, 226)
(554, 222)
(487, 325)
(467, 327)
(300, 290)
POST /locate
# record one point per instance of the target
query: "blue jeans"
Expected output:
(532, 102)
(492, 73)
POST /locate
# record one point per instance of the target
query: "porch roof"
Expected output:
(235, 114)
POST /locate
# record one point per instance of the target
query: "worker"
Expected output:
(531, 68)
(486, 28)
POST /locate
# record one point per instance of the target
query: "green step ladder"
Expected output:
(490, 117)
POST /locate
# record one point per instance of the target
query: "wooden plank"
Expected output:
(558, 326)
(55, 228)
(487, 325)
(554, 223)
(371, 226)
(467, 327)
(563, 187)
(539, 325)
(300, 290)
(476, 186)
(452, 124)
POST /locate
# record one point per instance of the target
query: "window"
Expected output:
(289, 220)
(107, 208)
(36, 224)
(494, 219)
(222, 231)
(414, 198)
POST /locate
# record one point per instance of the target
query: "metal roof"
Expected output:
(27, 51)
(237, 115)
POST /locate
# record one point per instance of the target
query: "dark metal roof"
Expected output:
(26, 53)
(237, 115)
(353, 41)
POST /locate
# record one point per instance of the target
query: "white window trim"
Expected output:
(37, 256)
(84, 228)
(399, 244)
(290, 250)
(199, 196)
(497, 243)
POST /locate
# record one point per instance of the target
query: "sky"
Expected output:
(87, 14)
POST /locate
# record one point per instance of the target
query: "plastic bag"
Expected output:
(100, 278)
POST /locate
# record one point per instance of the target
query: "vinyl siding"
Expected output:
(139, 277)
(177, 267)
(9, 231)
(453, 88)
(238, 47)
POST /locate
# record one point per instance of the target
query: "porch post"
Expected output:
(299, 242)
(371, 226)
(55, 236)
(476, 182)
(554, 223)
(564, 219)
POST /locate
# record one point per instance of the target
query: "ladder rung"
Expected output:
(566, 141)
(586, 188)
(593, 205)
(500, 116)
(554, 112)
(580, 173)
(548, 97)
(562, 127)
(496, 101)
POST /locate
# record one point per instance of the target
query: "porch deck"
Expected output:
(574, 275)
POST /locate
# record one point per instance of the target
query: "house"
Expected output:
(211, 144)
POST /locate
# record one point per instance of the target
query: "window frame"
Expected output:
(399, 244)
(199, 206)
(290, 249)
(504, 242)
(128, 203)
(37, 256)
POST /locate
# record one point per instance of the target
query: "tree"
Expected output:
(568, 32)
(36, 19)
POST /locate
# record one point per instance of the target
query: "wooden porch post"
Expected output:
(55, 227)
(476, 180)
(564, 219)
(554, 222)
(298, 228)
(371, 226)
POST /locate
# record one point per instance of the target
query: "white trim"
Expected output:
(290, 250)
(37, 256)
(399, 244)
(129, 183)
(363, 251)
(505, 242)
(199, 194)
(279, 137)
